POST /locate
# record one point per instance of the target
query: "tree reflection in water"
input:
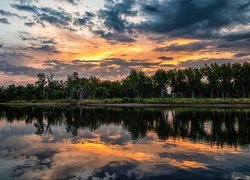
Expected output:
(220, 126)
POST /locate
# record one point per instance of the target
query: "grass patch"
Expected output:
(146, 101)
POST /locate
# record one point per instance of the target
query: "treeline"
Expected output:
(214, 81)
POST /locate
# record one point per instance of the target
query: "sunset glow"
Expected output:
(34, 33)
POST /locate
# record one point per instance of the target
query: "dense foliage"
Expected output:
(214, 81)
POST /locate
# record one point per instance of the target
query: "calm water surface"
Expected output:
(124, 143)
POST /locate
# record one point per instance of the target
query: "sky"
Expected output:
(108, 38)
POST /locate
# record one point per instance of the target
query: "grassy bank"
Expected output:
(144, 101)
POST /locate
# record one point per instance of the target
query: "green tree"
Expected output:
(160, 80)
(194, 76)
(212, 75)
(137, 85)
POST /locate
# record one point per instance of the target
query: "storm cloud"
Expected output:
(195, 18)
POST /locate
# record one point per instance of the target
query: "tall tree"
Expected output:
(160, 80)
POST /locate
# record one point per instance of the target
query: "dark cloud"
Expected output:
(10, 69)
(115, 25)
(115, 36)
(196, 46)
(87, 17)
(25, 7)
(8, 14)
(112, 15)
(26, 1)
(57, 17)
(239, 45)
(4, 21)
(42, 44)
(240, 55)
(47, 41)
(73, 2)
(194, 18)
(47, 48)
(237, 36)
(29, 24)
(15, 54)
(208, 61)
(128, 63)
(219, 45)
(25, 36)
(165, 58)
(151, 8)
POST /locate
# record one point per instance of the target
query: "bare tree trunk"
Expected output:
(211, 93)
(244, 93)
(162, 92)
(81, 92)
(44, 97)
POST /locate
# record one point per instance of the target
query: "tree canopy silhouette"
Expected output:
(214, 81)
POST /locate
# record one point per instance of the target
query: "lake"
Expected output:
(124, 143)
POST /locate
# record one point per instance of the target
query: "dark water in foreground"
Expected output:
(124, 143)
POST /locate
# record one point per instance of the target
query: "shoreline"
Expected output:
(128, 104)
